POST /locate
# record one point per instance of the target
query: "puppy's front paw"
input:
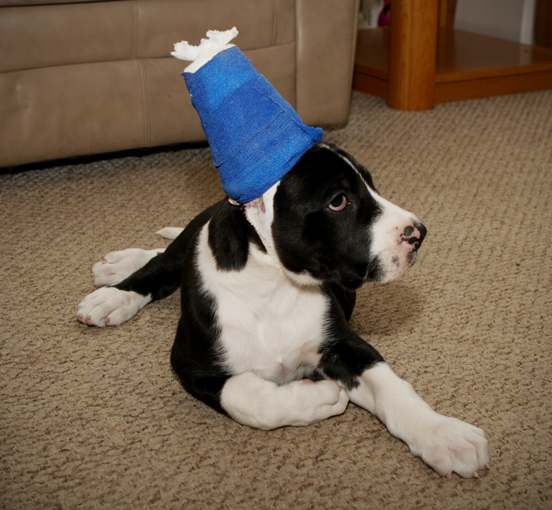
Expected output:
(118, 265)
(109, 306)
(450, 445)
(263, 404)
(320, 400)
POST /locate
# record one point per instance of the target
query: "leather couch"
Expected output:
(96, 77)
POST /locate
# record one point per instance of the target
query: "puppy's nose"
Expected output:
(414, 235)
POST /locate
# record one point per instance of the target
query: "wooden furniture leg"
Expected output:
(413, 54)
(447, 10)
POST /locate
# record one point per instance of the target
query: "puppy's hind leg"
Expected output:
(158, 275)
(118, 265)
(114, 304)
(133, 278)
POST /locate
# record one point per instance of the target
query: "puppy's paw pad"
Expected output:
(109, 306)
(114, 267)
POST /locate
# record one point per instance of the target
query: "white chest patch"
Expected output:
(269, 325)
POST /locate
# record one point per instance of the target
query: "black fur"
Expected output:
(315, 243)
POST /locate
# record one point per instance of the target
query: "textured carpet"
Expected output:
(95, 418)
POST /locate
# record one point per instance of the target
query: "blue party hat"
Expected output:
(255, 136)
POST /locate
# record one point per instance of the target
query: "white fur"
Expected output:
(118, 265)
(386, 238)
(260, 213)
(446, 444)
(262, 404)
(109, 306)
(199, 55)
(269, 337)
(269, 325)
(170, 232)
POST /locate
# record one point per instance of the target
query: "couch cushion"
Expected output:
(111, 106)
(37, 36)
(39, 2)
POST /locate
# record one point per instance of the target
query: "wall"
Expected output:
(506, 19)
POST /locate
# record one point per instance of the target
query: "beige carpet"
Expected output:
(94, 418)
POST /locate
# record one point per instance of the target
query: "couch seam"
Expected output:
(352, 52)
(145, 103)
(135, 29)
(146, 124)
(274, 22)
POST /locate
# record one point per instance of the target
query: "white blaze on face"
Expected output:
(388, 244)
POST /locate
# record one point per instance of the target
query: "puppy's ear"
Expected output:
(256, 206)
(260, 215)
(255, 212)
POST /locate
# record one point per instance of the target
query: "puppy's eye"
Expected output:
(339, 203)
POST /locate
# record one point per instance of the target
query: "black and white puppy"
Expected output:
(267, 291)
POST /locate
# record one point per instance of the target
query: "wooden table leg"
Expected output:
(412, 54)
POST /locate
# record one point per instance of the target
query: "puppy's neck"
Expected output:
(260, 214)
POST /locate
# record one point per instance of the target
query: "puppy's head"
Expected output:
(325, 221)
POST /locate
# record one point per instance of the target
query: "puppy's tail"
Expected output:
(170, 232)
